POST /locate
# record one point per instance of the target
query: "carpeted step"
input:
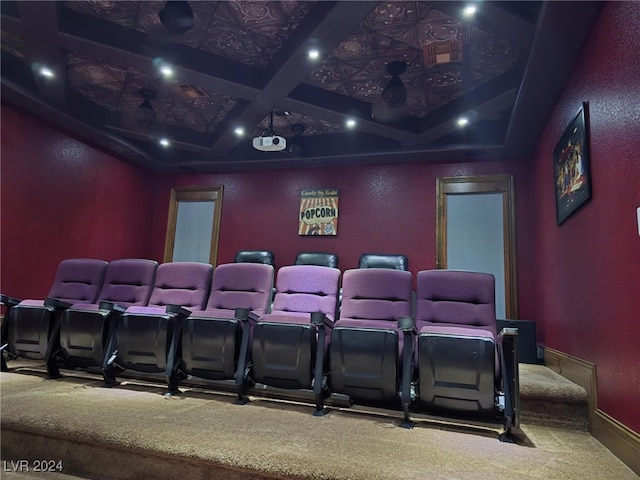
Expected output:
(549, 399)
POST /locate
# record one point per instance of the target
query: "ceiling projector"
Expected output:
(271, 143)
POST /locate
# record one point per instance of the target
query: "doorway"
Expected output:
(193, 225)
(475, 230)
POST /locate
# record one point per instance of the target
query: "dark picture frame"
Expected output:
(572, 166)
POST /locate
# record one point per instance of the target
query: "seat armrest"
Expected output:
(508, 355)
(178, 310)
(112, 307)
(407, 325)
(8, 301)
(507, 333)
(319, 318)
(57, 303)
(506, 342)
(244, 314)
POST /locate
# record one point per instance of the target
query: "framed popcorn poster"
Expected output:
(318, 211)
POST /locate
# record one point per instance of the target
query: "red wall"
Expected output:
(587, 271)
(382, 209)
(62, 198)
(579, 281)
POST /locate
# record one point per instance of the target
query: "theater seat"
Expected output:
(380, 260)
(289, 344)
(317, 258)
(147, 338)
(256, 256)
(85, 327)
(32, 329)
(369, 339)
(215, 340)
(8, 302)
(464, 366)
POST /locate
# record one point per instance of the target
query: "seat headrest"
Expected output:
(322, 259)
(256, 256)
(377, 260)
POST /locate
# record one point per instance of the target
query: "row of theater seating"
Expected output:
(326, 259)
(184, 319)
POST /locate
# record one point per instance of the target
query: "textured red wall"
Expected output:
(587, 275)
(382, 209)
(62, 198)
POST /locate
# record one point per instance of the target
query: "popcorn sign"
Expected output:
(318, 212)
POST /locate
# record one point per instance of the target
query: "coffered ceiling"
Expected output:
(242, 64)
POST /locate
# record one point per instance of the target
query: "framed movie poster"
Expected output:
(318, 212)
(571, 166)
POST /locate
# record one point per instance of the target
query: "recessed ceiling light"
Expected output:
(463, 121)
(46, 72)
(166, 71)
(469, 10)
(313, 53)
(239, 131)
(164, 142)
(350, 123)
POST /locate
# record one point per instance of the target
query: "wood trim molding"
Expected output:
(617, 437)
(502, 184)
(578, 371)
(193, 194)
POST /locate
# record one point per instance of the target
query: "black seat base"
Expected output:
(364, 363)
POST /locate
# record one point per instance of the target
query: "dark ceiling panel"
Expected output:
(245, 64)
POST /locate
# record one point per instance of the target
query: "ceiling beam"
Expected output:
(144, 64)
(479, 112)
(492, 18)
(18, 96)
(490, 98)
(560, 35)
(332, 107)
(116, 123)
(325, 27)
(12, 25)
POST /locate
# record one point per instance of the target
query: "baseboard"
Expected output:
(578, 371)
(617, 437)
(621, 440)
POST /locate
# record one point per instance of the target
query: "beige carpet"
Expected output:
(549, 399)
(133, 432)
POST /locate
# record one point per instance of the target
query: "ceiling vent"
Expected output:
(189, 91)
(442, 52)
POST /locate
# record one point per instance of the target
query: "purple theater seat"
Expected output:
(33, 325)
(460, 357)
(85, 327)
(367, 347)
(147, 338)
(215, 340)
(289, 344)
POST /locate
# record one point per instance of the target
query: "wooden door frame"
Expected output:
(502, 184)
(193, 194)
